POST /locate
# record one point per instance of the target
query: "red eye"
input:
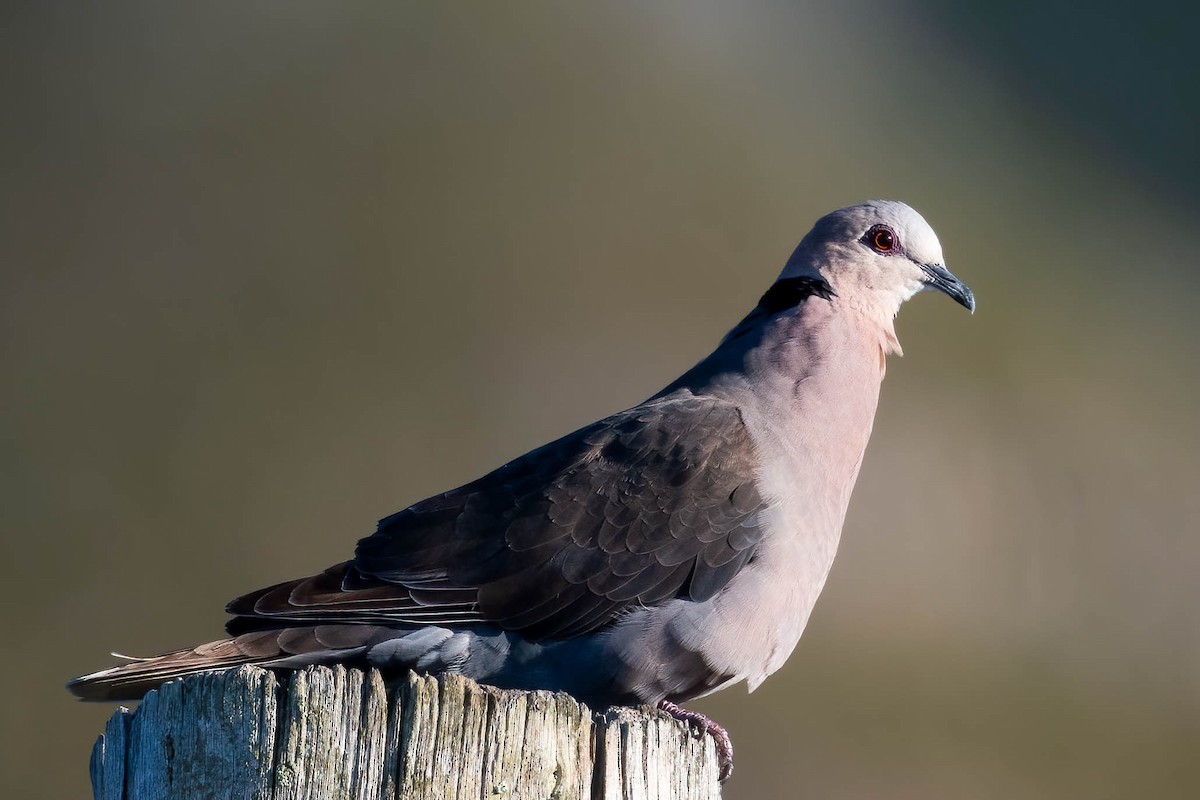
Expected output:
(882, 239)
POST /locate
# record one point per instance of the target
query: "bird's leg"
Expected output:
(720, 735)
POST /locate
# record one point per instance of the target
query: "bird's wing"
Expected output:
(650, 504)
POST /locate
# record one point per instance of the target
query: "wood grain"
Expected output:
(334, 733)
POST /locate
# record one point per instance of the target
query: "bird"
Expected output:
(657, 555)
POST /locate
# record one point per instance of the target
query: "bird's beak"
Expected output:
(940, 278)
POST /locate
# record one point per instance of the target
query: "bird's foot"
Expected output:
(720, 735)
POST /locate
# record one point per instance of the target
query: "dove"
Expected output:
(660, 554)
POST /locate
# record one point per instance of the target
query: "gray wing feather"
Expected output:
(650, 504)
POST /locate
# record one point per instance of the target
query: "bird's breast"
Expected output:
(807, 389)
(810, 419)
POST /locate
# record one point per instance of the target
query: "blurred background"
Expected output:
(275, 270)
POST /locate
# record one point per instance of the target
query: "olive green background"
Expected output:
(271, 271)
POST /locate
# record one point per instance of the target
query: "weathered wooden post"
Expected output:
(344, 734)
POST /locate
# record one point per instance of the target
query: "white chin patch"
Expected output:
(907, 292)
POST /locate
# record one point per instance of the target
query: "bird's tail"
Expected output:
(265, 648)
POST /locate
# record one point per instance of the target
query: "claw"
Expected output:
(720, 735)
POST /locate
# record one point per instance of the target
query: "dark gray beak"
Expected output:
(943, 280)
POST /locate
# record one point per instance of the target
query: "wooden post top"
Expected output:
(341, 733)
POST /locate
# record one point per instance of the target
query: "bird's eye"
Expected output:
(882, 239)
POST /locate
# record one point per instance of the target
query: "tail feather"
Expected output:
(131, 681)
(280, 647)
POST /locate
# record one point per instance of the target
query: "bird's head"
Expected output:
(876, 255)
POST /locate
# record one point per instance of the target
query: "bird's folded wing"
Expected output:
(650, 504)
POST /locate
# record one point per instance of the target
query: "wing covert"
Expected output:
(649, 504)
